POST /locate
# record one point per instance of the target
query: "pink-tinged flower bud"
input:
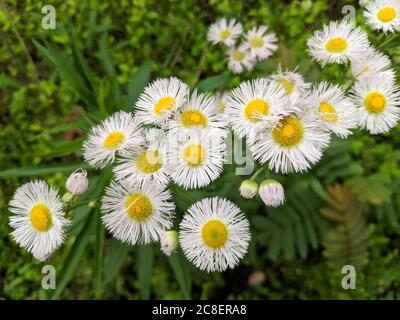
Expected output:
(42, 257)
(77, 182)
(272, 193)
(248, 189)
(169, 242)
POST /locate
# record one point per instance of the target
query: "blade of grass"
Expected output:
(98, 255)
(213, 83)
(113, 261)
(41, 170)
(181, 273)
(146, 256)
(138, 83)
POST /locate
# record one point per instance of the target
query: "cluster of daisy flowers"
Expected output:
(179, 135)
(257, 44)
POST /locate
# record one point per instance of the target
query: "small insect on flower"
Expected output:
(225, 32)
(378, 103)
(196, 157)
(146, 163)
(77, 182)
(294, 144)
(200, 111)
(262, 45)
(169, 242)
(137, 213)
(338, 42)
(272, 193)
(293, 83)
(248, 189)
(160, 100)
(38, 219)
(254, 104)
(239, 59)
(214, 235)
(373, 61)
(335, 111)
(383, 15)
(118, 134)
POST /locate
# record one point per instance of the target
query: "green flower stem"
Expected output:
(257, 173)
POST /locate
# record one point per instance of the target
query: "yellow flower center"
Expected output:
(328, 111)
(225, 34)
(138, 206)
(193, 118)
(113, 140)
(375, 102)
(287, 84)
(289, 132)
(214, 234)
(221, 106)
(40, 217)
(194, 155)
(164, 104)
(336, 45)
(256, 108)
(149, 161)
(387, 14)
(238, 55)
(257, 42)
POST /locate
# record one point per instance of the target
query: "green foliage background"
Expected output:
(54, 83)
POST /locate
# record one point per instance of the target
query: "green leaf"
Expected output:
(181, 273)
(65, 148)
(98, 255)
(113, 261)
(138, 83)
(42, 170)
(213, 83)
(146, 256)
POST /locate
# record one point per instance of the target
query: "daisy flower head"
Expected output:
(225, 31)
(294, 144)
(334, 110)
(373, 61)
(255, 103)
(196, 157)
(137, 213)
(214, 235)
(378, 103)
(200, 111)
(118, 134)
(146, 163)
(338, 42)
(293, 83)
(239, 59)
(261, 44)
(160, 100)
(37, 219)
(383, 15)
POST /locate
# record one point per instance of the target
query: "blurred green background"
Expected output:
(55, 83)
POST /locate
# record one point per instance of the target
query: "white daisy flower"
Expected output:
(383, 15)
(196, 157)
(118, 134)
(137, 213)
(272, 193)
(214, 235)
(293, 83)
(378, 102)
(335, 111)
(255, 103)
(373, 61)
(261, 44)
(240, 59)
(225, 32)
(38, 219)
(294, 144)
(338, 42)
(146, 163)
(221, 99)
(200, 111)
(160, 100)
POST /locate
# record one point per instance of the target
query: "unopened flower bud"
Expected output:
(67, 197)
(272, 193)
(92, 204)
(169, 242)
(248, 188)
(77, 182)
(42, 257)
